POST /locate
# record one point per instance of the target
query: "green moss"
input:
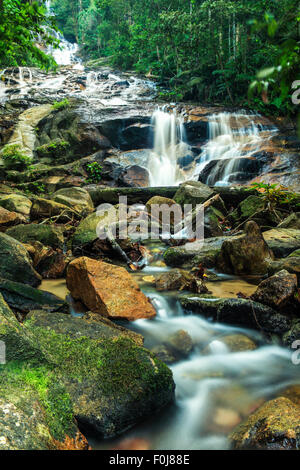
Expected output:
(56, 148)
(26, 381)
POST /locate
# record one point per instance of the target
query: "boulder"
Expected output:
(193, 192)
(193, 254)
(292, 335)
(8, 218)
(292, 221)
(237, 343)
(46, 209)
(274, 426)
(49, 263)
(178, 279)
(282, 241)
(239, 312)
(94, 283)
(25, 298)
(105, 384)
(16, 203)
(245, 254)
(78, 199)
(100, 194)
(134, 176)
(180, 343)
(278, 292)
(48, 235)
(15, 262)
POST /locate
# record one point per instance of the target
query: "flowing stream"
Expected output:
(215, 388)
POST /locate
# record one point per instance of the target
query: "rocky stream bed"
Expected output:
(135, 343)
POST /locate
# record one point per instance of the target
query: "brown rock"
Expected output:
(108, 290)
(277, 291)
(247, 253)
(8, 218)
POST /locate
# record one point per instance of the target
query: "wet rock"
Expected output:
(193, 192)
(293, 394)
(24, 298)
(292, 221)
(164, 354)
(16, 203)
(159, 201)
(292, 335)
(278, 292)
(238, 343)
(94, 283)
(180, 343)
(239, 312)
(86, 232)
(282, 241)
(46, 209)
(8, 218)
(193, 254)
(290, 264)
(15, 262)
(274, 426)
(78, 199)
(247, 209)
(178, 279)
(134, 176)
(107, 384)
(245, 254)
(48, 235)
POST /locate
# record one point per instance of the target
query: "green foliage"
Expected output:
(273, 194)
(23, 24)
(64, 104)
(94, 171)
(15, 159)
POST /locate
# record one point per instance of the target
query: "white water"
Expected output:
(231, 136)
(169, 145)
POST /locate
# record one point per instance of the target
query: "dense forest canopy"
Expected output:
(207, 50)
(204, 49)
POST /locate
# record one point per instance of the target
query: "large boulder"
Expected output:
(26, 298)
(274, 426)
(245, 254)
(78, 199)
(16, 203)
(48, 235)
(240, 312)
(282, 241)
(15, 262)
(70, 371)
(278, 292)
(193, 192)
(108, 290)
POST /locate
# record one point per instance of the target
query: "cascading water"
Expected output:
(233, 140)
(169, 145)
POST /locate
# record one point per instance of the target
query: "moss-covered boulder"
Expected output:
(247, 208)
(292, 335)
(274, 426)
(54, 150)
(15, 262)
(8, 218)
(16, 203)
(193, 192)
(48, 235)
(292, 221)
(78, 199)
(245, 254)
(25, 298)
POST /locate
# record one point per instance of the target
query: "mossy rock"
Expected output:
(15, 262)
(16, 203)
(193, 192)
(78, 199)
(247, 209)
(48, 235)
(274, 426)
(46, 209)
(55, 149)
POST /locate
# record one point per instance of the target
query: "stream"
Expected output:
(215, 388)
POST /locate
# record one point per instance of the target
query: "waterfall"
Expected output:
(169, 144)
(233, 139)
